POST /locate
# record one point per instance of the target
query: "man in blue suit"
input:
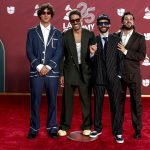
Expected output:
(44, 51)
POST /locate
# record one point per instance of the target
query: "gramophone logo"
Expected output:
(10, 10)
(120, 11)
(147, 13)
(147, 36)
(36, 8)
(87, 15)
(68, 9)
(146, 61)
(146, 82)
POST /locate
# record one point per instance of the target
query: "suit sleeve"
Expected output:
(120, 62)
(63, 57)
(92, 40)
(140, 53)
(29, 51)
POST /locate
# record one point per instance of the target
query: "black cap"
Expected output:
(103, 16)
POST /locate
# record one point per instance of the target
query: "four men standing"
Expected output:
(109, 61)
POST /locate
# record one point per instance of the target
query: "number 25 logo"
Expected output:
(86, 12)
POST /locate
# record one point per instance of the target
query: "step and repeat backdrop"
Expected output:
(17, 16)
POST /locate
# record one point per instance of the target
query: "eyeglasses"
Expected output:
(45, 12)
(75, 20)
(103, 23)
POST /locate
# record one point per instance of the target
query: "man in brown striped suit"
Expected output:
(133, 46)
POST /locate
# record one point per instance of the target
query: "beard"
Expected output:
(127, 28)
(103, 31)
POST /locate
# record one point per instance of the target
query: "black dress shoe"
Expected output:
(53, 135)
(31, 135)
(137, 134)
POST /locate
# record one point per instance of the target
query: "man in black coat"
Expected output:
(133, 46)
(76, 73)
(107, 63)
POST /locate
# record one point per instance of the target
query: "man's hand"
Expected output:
(44, 71)
(121, 47)
(61, 80)
(93, 48)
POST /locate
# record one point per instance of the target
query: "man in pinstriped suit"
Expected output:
(107, 63)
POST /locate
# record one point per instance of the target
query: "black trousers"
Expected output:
(114, 91)
(133, 82)
(67, 106)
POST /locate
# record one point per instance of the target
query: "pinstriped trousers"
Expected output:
(114, 91)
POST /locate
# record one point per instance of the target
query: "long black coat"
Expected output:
(70, 69)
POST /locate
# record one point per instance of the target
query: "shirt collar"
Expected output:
(43, 28)
(129, 34)
(104, 35)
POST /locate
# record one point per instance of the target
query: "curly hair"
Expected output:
(47, 6)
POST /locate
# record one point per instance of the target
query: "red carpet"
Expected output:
(14, 124)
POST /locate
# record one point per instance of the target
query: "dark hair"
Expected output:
(74, 12)
(125, 14)
(45, 6)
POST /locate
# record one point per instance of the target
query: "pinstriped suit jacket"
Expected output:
(114, 61)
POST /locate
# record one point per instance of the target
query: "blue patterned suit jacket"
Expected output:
(37, 54)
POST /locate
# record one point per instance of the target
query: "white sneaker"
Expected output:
(95, 134)
(119, 139)
(86, 132)
(62, 133)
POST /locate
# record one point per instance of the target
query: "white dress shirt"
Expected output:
(78, 47)
(102, 36)
(45, 32)
(125, 39)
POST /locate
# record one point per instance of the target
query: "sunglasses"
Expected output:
(103, 23)
(45, 12)
(75, 20)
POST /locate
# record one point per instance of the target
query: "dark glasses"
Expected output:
(75, 20)
(103, 23)
(45, 12)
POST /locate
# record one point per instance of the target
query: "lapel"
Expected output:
(111, 43)
(39, 32)
(51, 34)
(84, 41)
(110, 46)
(131, 40)
(99, 43)
(72, 47)
(100, 47)
(50, 37)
